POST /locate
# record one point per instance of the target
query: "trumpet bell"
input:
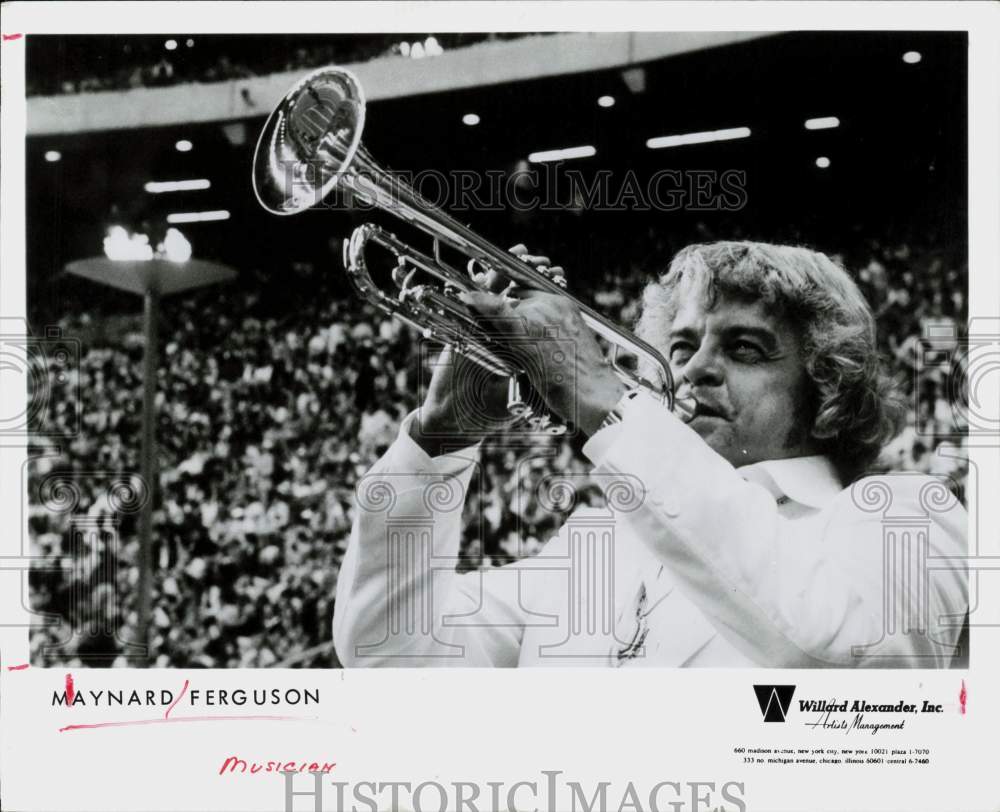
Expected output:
(309, 141)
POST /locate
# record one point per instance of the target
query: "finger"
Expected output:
(523, 292)
(485, 277)
(493, 282)
(495, 313)
(485, 304)
(518, 249)
(533, 259)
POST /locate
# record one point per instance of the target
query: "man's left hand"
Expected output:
(578, 384)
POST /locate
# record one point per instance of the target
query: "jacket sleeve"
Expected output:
(398, 589)
(787, 592)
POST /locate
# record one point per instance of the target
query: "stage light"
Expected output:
(121, 246)
(827, 123)
(697, 138)
(170, 44)
(53, 155)
(156, 187)
(561, 154)
(606, 101)
(470, 119)
(822, 162)
(183, 145)
(190, 43)
(197, 216)
(912, 57)
(175, 246)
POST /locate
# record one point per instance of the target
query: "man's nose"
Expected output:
(703, 368)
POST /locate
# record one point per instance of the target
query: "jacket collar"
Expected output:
(810, 481)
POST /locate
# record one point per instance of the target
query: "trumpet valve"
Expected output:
(516, 405)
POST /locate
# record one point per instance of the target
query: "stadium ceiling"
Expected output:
(900, 144)
(477, 65)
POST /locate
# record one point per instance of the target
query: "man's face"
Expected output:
(745, 369)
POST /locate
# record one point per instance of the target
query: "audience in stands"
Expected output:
(132, 62)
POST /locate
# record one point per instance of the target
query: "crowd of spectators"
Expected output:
(75, 65)
(275, 395)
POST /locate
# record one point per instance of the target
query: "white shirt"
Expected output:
(772, 564)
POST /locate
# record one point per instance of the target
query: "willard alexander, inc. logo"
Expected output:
(774, 701)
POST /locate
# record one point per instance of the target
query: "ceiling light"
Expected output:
(912, 57)
(197, 216)
(156, 187)
(698, 138)
(561, 154)
(53, 155)
(183, 145)
(470, 119)
(606, 101)
(170, 44)
(827, 123)
(190, 43)
(822, 162)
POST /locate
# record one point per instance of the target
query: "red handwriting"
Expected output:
(174, 703)
(962, 697)
(70, 690)
(234, 763)
(7, 37)
(190, 719)
(17, 667)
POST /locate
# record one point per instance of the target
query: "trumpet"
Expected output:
(311, 145)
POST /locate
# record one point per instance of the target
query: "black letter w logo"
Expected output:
(774, 701)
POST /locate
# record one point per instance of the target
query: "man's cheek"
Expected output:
(716, 434)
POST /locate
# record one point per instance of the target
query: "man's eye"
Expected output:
(747, 352)
(680, 352)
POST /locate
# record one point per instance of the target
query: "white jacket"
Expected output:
(693, 563)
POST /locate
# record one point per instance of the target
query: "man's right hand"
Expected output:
(464, 402)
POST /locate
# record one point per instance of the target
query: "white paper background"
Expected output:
(639, 725)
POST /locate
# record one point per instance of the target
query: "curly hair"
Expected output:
(853, 405)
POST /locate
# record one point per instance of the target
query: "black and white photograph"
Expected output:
(752, 246)
(361, 350)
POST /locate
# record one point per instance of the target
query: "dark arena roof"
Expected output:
(897, 160)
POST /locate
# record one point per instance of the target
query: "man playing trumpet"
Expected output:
(751, 535)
